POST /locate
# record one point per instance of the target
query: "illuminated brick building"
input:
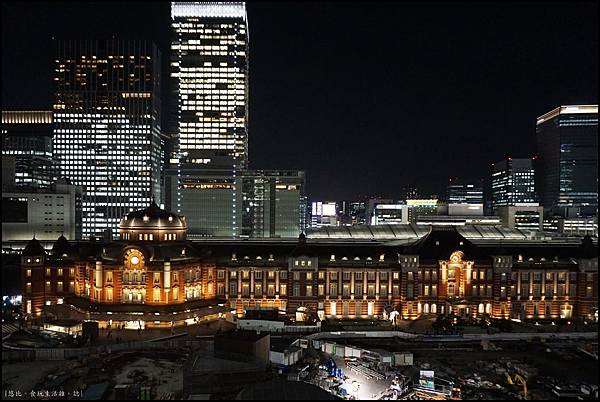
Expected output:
(153, 276)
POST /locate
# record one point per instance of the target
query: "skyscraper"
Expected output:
(274, 203)
(27, 149)
(106, 117)
(567, 162)
(209, 68)
(461, 191)
(513, 182)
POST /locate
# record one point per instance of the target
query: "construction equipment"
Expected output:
(517, 380)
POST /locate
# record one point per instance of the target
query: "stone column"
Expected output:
(167, 279)
(98, 279)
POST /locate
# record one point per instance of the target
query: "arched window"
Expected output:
(451, 290)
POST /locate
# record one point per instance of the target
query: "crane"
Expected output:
(518, 380)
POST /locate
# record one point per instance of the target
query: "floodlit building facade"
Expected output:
(155, 276)
(323, 213)
(106, 120)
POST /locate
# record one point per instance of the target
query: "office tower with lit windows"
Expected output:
(567, 159)
(209, 71)
(513, 183)
(461, 191)
(274, 203)
(27, 150)
(107, 134)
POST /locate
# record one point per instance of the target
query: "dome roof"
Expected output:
(153, 218)
(33, 248)
(61, 246)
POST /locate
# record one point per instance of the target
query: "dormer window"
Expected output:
(182, 251)
(520, 257)
(233, 257)
(382, 257)
(332, 257)
(146, 218)
(170, 218)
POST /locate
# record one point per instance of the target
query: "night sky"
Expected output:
(365, 97)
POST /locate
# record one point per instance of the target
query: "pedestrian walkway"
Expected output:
(8, 329)
(125, 335)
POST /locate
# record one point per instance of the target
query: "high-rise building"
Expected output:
(42, 213)
(106, 118)
(27, 149)
(352, 212)
(209, 71)
(523, 216)
(372, 204)
(389, 214)
(513, 183)
(323, 213)
(461, 191)
(567, 160)
(421, 207)
(274, 204)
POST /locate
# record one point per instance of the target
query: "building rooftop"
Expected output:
(568, 109)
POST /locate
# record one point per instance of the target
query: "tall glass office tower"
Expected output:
(27, 149)
(106, 117)
(567, 163)
(513, 182)
(209, 68)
